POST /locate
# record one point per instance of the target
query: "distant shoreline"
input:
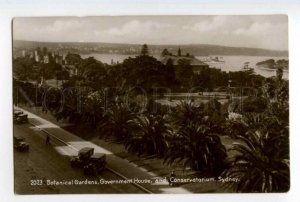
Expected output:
(132, 49)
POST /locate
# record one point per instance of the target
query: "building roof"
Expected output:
(193, 61)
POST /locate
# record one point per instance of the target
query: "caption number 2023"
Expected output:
(36, 182)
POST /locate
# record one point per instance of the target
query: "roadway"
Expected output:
(50, 162)
(68, 144)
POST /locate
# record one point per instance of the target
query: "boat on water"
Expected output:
(213, 60)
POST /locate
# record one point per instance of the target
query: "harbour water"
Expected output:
(231, 63)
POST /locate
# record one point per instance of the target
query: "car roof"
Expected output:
(85, 149)
(98, 155)
(23, 115)
(19, 137)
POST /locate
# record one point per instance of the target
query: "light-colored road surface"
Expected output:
(47, 162)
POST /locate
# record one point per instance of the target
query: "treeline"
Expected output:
(143, 71)
(189, 134)
(27, 69)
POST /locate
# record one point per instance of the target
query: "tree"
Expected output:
(187, 112)
(198, 147)
(145, 50)
(151, 135)
(261, 160)
(171, 76)
(73, 59)
(164, 53)
(179, 52)
(49, 70)
(71, 107)
(135, 69)
(184, 73)
(254, 104)
(24, 69)
(261, 163)
(93, 108)
(118, 123)
(62, 75)
(92, 69)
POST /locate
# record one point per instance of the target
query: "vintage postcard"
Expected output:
(151, 104)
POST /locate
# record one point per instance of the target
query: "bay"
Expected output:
(231, 63)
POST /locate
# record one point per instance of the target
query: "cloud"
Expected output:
(264, 34)
(138, 28)
(252, 31)
(261, 28)
(207, 25)
(137, 31)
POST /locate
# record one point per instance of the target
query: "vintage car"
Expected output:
(20, 144)
(96, 164)
(82, 158)
(22, 118)
(17, 113)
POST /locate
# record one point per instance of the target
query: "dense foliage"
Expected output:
(118, 103)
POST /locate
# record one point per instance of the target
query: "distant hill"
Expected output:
(194, 49)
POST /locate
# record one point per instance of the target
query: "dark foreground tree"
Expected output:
(187, 112)
(261, 163)
(199, 148)
(151, 135)
(118, 123)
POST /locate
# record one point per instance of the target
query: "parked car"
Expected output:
(97, 163)
(17, 113)
(83, 157)
(22, 118)
(20, 144)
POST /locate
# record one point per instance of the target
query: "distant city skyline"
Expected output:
(253, 31)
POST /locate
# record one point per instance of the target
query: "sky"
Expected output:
(256, 31)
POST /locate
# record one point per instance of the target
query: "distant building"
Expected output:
(23, 53)
(31, 55)
(58, 59)
(196, 64)
(37, 58)
(46, 59)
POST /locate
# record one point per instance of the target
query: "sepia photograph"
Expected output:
(150, 104)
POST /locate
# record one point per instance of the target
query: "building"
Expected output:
(46, 59)
(31, 55)
(36, 56)
(23, 53)
(196, 64)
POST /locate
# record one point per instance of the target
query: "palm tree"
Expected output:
(118, 123)
(187, 112)
(261, 163)
(239, 125)
(198, 147)
(151, 136)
